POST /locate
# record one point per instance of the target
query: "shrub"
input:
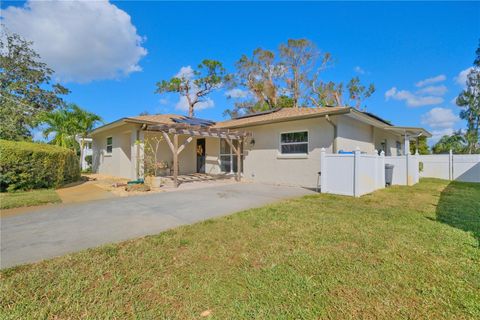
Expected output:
(27, 165)
(89, 159)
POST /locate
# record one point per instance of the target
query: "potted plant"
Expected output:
(153, 167)
(162, 168)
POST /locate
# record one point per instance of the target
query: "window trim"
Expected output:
(232, 156)
(281, 155)
(107, 145)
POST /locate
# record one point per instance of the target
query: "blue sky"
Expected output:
(110, 55)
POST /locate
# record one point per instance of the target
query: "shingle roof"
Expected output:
(158, 118)
(280, 115)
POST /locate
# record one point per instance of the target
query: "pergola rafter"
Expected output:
(197, 131)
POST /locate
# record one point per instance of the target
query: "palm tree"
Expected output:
(62, 125)
(85, 123)
(455, 142)
(69, 123)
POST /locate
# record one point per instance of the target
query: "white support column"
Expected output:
(323, 171)
(141, 154)
(356, 173)
(407, 144)
(134, 148)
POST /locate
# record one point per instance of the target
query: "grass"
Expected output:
(28, 198)
(403, 252)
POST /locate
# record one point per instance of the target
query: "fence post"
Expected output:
(377, 163)
(382, 169)
(406, 167)
(450, 165)
(323, 171)
(356, 173)
(417, 167)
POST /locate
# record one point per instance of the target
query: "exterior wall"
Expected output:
(119, 162)
(390, 139)
(353, 134)
(264, 163)
(187, 158)
(212, 162)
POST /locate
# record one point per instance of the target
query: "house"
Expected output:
(280, 146)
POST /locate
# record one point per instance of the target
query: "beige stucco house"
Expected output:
(280, 146)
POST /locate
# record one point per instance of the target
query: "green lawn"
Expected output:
(403, 252)
(28, 198)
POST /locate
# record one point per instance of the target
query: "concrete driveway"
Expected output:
(54, 231)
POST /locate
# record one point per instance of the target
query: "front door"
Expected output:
(201, 155)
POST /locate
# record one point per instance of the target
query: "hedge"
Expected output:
(27, 165)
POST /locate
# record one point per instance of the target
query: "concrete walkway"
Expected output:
(55, 231)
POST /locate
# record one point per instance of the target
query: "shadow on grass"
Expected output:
(459, 207)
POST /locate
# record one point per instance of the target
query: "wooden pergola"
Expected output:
(198, 131)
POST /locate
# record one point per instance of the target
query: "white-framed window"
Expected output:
(109, 144)
(228, 159)
(294, 142)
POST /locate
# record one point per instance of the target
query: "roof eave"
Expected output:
(286, 119)
(409, 130)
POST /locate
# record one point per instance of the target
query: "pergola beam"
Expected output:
(199, 131)
(175, 152)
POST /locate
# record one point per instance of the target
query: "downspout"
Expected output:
(335, 133)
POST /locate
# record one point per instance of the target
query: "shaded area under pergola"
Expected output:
(197, 131)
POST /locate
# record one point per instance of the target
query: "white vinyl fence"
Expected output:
(461, 167)
(358, 174)
(405, 169)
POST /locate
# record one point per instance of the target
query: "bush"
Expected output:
(27, 165)
(89, 159)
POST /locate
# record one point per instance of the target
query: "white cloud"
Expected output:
(237, 93)
(411, 99)
(433, 90)
(182, 104)
(440, 118)
(359, 70)
(81, 40)
(461, 78)
(163, 101)
(390, 93)
(432, 80)
(441, 121)
(185, 72)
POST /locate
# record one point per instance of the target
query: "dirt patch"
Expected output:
(87, 191)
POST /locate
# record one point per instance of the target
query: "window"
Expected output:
(228, 159)
(109, 144)
(294, 142)
(399, 148)
(383, 147)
